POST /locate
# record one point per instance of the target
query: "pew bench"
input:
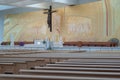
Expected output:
(6, 66)
(90, 63)
(94, 60)
(18, 64)
(13, 66)
(22, 63)
(45, 77)
(71, 73)
(86, 66)
(70, 55)
(78, 69)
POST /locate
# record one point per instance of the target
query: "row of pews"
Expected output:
(53, 67)
(9, 64)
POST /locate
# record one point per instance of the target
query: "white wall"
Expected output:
(1, 27)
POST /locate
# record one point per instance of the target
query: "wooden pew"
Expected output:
(71, 55)
(6, 66)
(86, 66)
(18, 52)
(18, 63)
(44, 77)
(90, 63)
(88, 69)
(78, 69)
(72, 73)
(13, 68)
(22, 63)
(94, 60)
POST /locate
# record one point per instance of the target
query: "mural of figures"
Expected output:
(56, 25)
(80, 26)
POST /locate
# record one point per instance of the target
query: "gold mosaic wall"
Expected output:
(97, 21)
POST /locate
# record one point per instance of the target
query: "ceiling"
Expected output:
(39, 4)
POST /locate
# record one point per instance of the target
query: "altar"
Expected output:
(46, 44)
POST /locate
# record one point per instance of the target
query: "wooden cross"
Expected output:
(49, 19)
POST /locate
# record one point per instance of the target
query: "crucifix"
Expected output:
(49, 18)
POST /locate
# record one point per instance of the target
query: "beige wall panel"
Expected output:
(86, 22)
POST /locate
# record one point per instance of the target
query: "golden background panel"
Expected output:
(86, 22)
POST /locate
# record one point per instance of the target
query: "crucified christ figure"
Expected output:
(49, 18)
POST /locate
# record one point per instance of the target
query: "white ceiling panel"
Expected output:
(69, 2)
(27, 2)
(43, 0)
(9, 1)
(87, 1)
(40, 4)
(58, 5)
(46, 5)
(23, 3)
(4, 7)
